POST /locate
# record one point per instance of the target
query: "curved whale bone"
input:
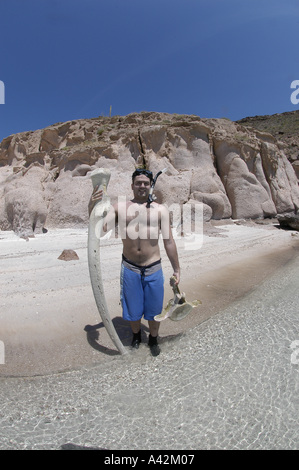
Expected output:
(177, 308)
(100, 177)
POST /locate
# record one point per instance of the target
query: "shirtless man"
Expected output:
(142, 281)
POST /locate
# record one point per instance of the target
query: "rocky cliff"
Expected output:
(235, 171)
(285, 127)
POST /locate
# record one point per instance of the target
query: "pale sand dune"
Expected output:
(48, 317)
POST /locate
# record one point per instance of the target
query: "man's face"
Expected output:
(141, 187)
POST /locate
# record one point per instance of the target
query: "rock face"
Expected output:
(284, 127)
(233, 170)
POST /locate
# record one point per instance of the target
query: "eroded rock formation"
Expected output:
(234, 171)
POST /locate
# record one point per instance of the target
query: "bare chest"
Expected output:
(139, 221)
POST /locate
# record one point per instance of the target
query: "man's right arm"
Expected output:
(111, 218)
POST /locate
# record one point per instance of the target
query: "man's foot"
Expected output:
(153, 344)
(155, 350)
(136, 340)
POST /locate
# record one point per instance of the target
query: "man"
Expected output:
(142, 281)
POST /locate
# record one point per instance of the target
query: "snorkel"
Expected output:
(151, 196)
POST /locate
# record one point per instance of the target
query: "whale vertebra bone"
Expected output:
(100, 177)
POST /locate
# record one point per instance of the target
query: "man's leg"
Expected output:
(154, 327)
(154, 295)
(153, 337)
(131, 295)
(136, 330)
(135, 326)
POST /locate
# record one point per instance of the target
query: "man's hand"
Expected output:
(176, 274)
(97, 195)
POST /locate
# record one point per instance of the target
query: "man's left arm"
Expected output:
(169, 243)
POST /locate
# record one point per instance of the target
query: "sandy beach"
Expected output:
(48, 316)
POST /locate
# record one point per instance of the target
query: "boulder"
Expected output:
(68, 255)
(290, 221)
(24, 203)
(26, 212)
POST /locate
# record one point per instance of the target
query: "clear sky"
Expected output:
(69, 59)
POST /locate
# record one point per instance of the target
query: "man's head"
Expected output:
(141, 184)
(141, 171)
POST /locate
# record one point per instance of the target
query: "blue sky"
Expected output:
(69, 59)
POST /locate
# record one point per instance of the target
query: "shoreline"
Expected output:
(49, 320)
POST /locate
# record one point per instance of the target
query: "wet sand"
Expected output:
(48, 317)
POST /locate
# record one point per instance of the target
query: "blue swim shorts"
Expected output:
(141, 290)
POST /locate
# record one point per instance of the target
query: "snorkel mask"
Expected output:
(149, 174)
(151, 196)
